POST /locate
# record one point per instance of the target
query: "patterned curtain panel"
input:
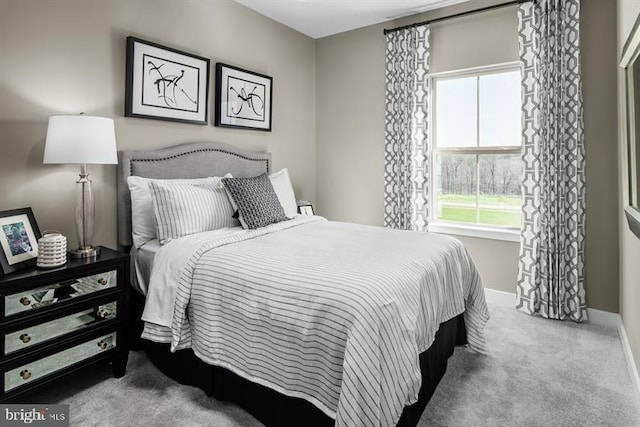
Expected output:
(551, 267)
(406, 138)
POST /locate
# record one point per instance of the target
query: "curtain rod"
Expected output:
(457, 15)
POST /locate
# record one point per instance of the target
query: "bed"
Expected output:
(281, 322)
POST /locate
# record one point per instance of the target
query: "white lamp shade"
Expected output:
(80, 139)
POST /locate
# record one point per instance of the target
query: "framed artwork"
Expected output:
(19, 234)
(305, 208)
(243, 98)
(165, 84)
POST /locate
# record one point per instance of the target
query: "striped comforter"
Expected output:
(333, 313)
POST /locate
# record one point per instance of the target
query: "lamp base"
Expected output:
(88, 252)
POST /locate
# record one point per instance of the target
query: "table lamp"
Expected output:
(81, 140)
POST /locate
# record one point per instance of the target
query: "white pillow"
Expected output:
(143, 227)
(181, 209)
(282, 186)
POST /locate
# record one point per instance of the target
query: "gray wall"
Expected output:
(66, 56)
(599, 92)
(350, 128)
(628, 12)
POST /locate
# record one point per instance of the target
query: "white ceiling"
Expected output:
(320, 18)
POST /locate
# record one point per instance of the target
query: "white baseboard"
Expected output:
(628, 355)
(596, 317)
(604, 318)
(501, 298)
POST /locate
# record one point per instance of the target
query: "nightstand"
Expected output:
(55, 322)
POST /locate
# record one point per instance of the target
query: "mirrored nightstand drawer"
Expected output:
(27, 337)
(51, 364)
(54, 293)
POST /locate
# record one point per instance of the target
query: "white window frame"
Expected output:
(484, 231)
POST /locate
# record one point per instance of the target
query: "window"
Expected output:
(476, 134)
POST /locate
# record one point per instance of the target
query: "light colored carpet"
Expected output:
(539, 373)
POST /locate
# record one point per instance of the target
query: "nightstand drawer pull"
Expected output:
(43, 296)
(58, 361)
(70, 324)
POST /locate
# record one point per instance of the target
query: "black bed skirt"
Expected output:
(275, 409)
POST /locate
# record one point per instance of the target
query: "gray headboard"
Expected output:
(193, 160)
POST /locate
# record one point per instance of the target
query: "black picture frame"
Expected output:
(305, 208)
(163, 83)
(19, 234)
(243, 98)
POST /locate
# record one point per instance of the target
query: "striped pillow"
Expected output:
(181, 209)
(143, 226)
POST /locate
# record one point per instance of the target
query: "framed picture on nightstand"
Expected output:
(19, 234)
(305, 208)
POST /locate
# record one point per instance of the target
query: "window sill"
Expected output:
(507, 235)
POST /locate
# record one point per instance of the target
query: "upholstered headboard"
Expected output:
(194, 160)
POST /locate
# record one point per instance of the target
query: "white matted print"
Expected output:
(243, 98)
(165, 84)
(305, 208)
(19, 236)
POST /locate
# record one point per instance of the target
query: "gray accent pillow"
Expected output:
(255, 200)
